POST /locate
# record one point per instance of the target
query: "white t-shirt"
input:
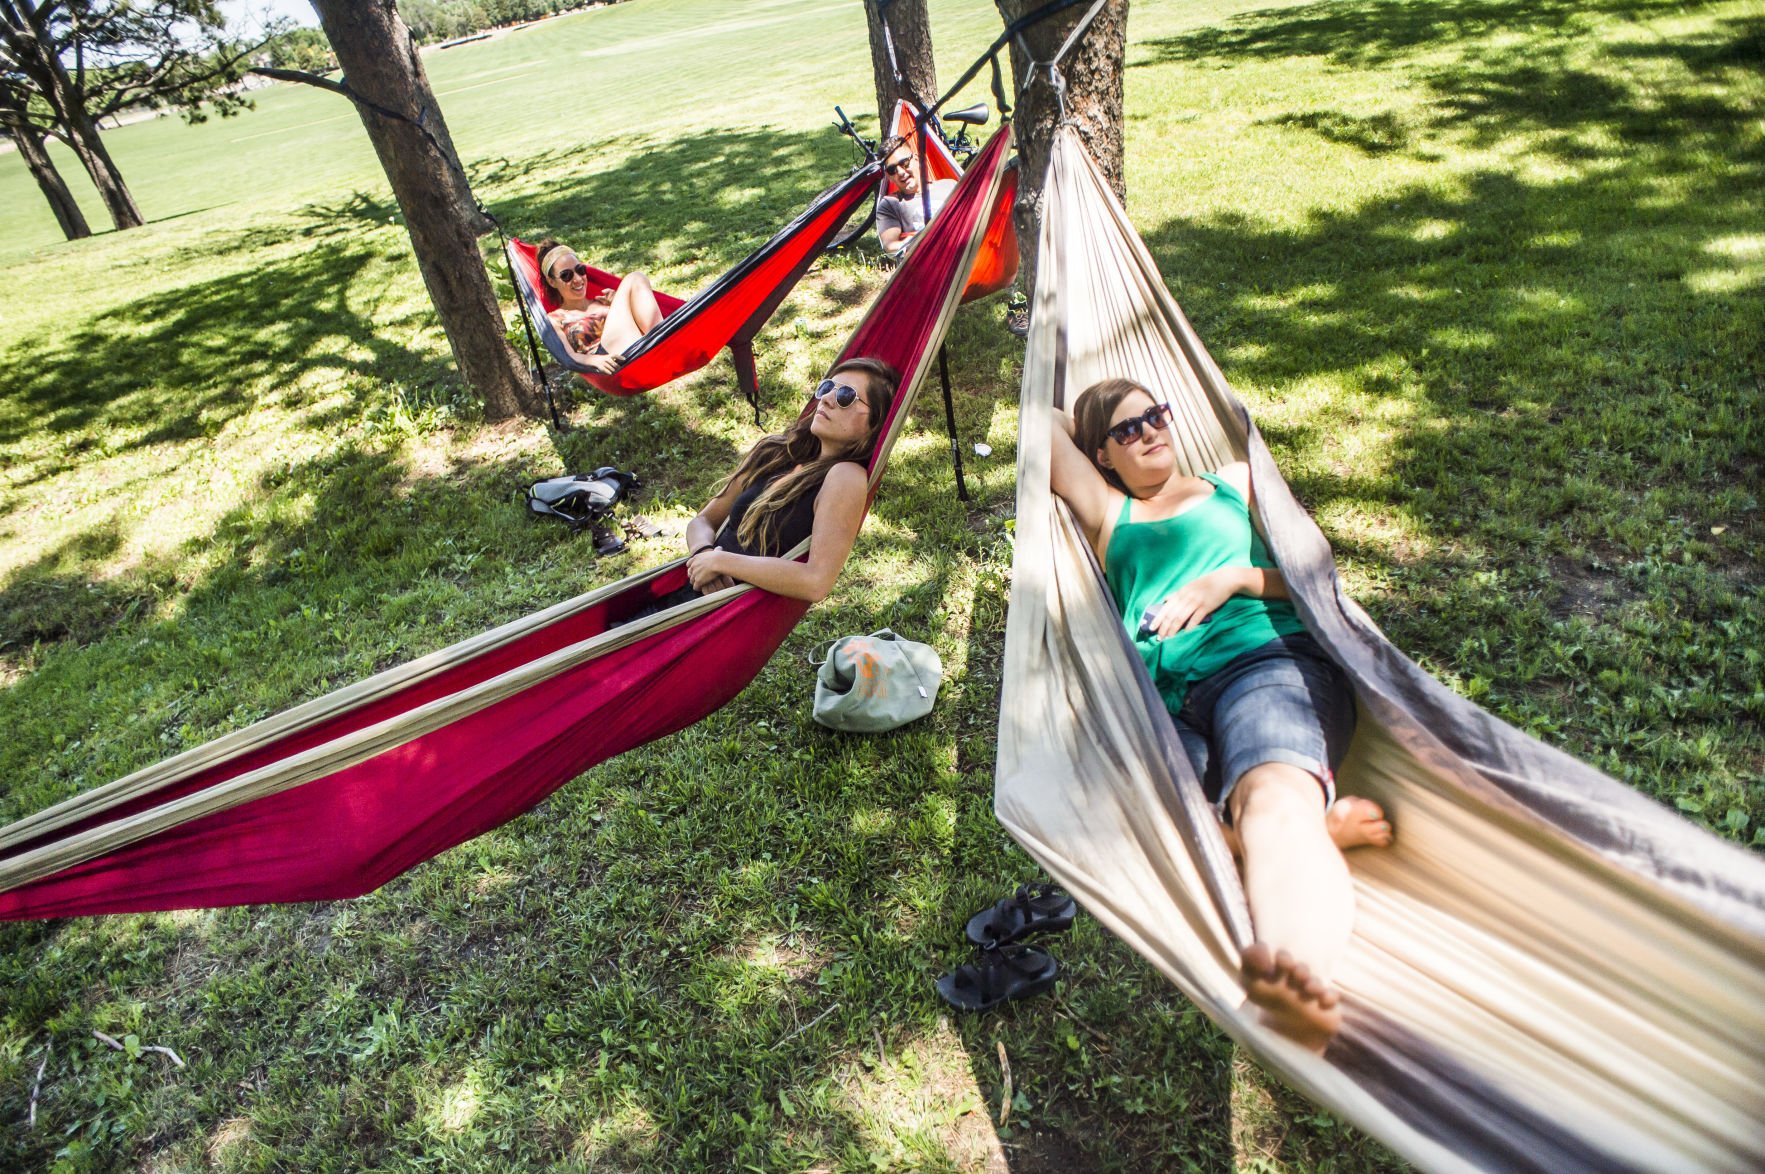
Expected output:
(907, 213)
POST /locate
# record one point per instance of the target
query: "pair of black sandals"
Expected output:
(1007, 969)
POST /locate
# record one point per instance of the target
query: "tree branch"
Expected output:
(304, 78)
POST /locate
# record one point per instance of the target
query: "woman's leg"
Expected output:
(1301, 901)
(1278, 719)
(633, 314)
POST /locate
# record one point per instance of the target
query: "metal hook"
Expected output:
(1057, 82)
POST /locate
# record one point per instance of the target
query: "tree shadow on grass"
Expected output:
(179, 365)
(1578, 318)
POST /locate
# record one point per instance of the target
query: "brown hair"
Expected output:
(1092, 412)
(772, 458)
(539, 255)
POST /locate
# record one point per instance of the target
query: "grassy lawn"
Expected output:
(1490, 274)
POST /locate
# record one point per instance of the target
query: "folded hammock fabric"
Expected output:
(337, 796)
(727, 313)
(996, 261)
(1549, 971)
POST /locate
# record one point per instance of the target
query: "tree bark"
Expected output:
(913, 74)
(32, 150)
(1093, 72)
(385, 75)
(28, 37)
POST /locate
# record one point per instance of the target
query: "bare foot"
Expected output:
(1354, 822)
(1294, 1001)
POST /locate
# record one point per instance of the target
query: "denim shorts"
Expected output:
(1282, 702)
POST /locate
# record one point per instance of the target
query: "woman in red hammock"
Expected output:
(596, 330)
(809, 481)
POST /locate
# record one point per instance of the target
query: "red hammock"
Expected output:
(727, 313)
(339, 795)
(995, 263)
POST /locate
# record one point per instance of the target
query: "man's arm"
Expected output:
(889, 229)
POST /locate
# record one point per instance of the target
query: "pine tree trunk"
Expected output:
(382, 69)
(32, 150)
(912, 75)
(1093, 72)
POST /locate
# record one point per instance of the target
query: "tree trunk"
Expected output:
(382, 69)
(38, 59)
(1093, 72)
(32, 150)
(912, 74)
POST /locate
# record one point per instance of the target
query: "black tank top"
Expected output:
(795, 526)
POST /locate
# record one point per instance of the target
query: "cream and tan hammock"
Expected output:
(1548, 971)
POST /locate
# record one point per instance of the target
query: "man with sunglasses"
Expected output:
(901, 215)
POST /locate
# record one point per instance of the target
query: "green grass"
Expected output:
(1489, 274)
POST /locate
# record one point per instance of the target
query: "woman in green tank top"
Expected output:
(1263, 713)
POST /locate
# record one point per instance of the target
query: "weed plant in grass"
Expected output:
(1489, 275)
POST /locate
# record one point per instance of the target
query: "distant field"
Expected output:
(1490, 273)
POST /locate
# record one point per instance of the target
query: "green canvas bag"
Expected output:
(865, 684)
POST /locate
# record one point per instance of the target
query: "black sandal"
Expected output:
(1016, 972)
(1044, 908)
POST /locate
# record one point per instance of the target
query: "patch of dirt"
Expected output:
(1589, 586)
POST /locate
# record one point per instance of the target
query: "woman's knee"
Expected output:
(1278, 787)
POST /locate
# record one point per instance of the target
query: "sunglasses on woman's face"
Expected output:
(564, 273)
(843, 396)
(1128, 431)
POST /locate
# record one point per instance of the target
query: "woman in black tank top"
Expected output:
(808, 482)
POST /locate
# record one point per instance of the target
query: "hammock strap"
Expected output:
(882, 16)
(950, 421)
(1050, 70)
(535, 364)
(991, 55)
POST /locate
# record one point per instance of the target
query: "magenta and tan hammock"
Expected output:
(335, 797)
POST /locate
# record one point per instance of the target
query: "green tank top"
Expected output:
(1149, 561)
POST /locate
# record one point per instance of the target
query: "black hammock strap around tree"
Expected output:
(727, 313)
(1549, 971)
(336, 796)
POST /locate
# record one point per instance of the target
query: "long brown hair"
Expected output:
(1091, 414)
(772, 459)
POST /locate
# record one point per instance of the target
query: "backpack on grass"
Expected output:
(585, 500)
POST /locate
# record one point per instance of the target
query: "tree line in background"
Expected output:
(443, 20)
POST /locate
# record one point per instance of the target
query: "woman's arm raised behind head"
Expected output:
(1078, 482)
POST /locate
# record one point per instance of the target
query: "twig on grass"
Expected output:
(1005, 1082)
(115, 1043)
(793, 1035)
(37, 1085)
(1072, 1017)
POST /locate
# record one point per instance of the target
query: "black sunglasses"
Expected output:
(898, 165)
(565, 273)
(842, 394)
(1128, 431)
